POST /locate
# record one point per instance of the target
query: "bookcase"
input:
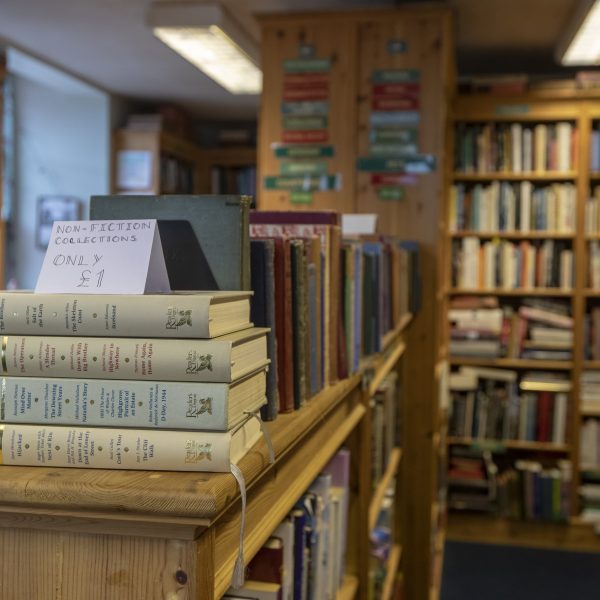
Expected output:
(329, 64)
(132, 534)
(494, 171)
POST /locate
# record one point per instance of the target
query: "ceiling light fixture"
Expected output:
(206, 36)
(580, 44)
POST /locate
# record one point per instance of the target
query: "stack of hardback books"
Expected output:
(157, 381)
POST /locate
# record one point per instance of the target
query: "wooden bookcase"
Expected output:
(530, 109)
(128, 535)
(357, 44)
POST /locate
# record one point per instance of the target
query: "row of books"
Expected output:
(305, 557)
(594, 265)
(233, 180)
(487, 405)
(385, 425)
(381, 543)
(535, 329)
(515, 147)
(589, 499)
(511, 265)
(592, 212)
(176, 175)
(512, 207)
(521, 489)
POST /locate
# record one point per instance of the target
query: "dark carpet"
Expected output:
(474, 571)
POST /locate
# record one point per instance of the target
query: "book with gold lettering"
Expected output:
(223, 359)
(106, 448)
(172, 315)
(130, 403)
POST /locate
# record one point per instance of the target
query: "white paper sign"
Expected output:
(354, 224)
(104, 257)
(134, 170)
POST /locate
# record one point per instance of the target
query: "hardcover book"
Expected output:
(173, 315)
(222, 359)
(213, 252)
(130, 403)
(104, 448)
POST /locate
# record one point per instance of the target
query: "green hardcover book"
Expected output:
(299, 321)
(205, 239)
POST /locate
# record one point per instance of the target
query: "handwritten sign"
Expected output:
(104, 257)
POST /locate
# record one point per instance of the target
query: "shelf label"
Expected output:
(391, 193)
(396, 76)
(511, 109)
(307, 65)
(403, 135)
(308, 136)
(385, 118)
(282, 151)
(104, 257)
(297, 197)
(397, 89)
(390, 103)
(393, 179)
(305, 122)
(303, 168)
(420, 163)
(489, 446)
(305, 94)
(307, 108)
(382, 149)
(305, 183)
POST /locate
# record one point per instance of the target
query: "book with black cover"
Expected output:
(262, 314)
(218, 257)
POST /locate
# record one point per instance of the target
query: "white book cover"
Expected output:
(526, 188)
(527, 150)
(560, 418)
(516, 133)
(541, 150)
(564, 133)
(285, 532)
(566, 269)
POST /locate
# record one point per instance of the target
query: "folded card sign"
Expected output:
(104, 257)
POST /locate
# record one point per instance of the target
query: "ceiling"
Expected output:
(106, 43)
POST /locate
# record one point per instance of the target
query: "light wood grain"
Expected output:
(514, 444)
(548, 292)
(391, 572)
(379, 493)
(348, 588)
(512, 363)
(394, 356)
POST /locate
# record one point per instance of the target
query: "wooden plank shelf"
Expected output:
(591, 364)
(512, 363)
(589, 411)
(382, 486)
(590, 293)
(391, 336)
(504, 176)
(391, 571)
(348, 588)
(513, 235)
(510, 444)
(552, 292)
(491, 529)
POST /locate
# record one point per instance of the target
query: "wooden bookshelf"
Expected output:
(514, 235)
(393, 563)
(379, 494)
(547, 292)
(348, 589)
(511, 444)
(505, 176)
(512, 363)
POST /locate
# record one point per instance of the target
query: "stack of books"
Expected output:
(158, 381)
(475, 327)
(305, 556)
(589, 449)
(589, 392)
(471, 480)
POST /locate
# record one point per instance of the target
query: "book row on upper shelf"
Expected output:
(499, 484)
(511, 265)
(515, 147)
(513, 207)
(76, 362)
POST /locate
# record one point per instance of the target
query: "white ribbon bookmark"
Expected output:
(239, 575)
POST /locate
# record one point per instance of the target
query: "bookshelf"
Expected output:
(353, 48)
(119, 529)
(499, 114)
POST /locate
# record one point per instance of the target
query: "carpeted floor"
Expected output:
(486, 572)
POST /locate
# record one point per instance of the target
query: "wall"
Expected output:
(62, 147)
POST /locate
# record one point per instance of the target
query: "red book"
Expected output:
(267, 564)
(396, 89)
(393, 179)
(390, 103)
(544, 415)
(305, 94)
(305, 79)
(290, 85)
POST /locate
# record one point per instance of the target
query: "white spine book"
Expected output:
(527, 150)
(516, 131)
(531, 263)
(526, 189)
(541, 147)
(560, 418)
(495, 208)
(551, 209)
(566, 269)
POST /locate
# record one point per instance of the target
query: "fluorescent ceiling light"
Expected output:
(206, 36)
(580, 44)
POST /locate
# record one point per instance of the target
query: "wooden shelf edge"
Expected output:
(510, 292)
(589, 411)
(512, 363)
(512, 444)
(531, 235)
(348, 588)
(296, 475)
(386, 367)
(390, 336)
(382, 486)
(392, 569)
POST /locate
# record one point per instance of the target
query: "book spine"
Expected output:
(117, 358)
(168, 315)
(103, 448)
(115, 403)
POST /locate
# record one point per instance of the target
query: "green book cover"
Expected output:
(205, 239)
